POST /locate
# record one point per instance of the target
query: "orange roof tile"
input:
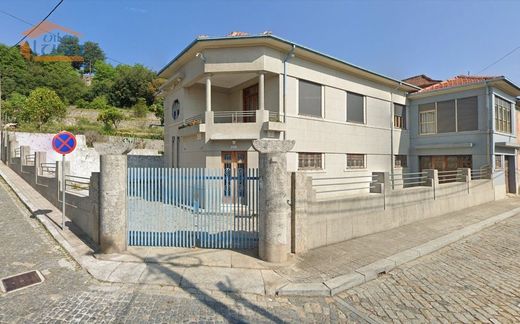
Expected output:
(459, 80)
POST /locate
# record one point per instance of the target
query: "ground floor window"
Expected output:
(356, 161)
(445, 162)
(400, 161)
(310, 161)
(498, 162)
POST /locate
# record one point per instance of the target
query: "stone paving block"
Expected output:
(224, 279)
(344, 282)
(371, 271)
(304, 289)
(404, 256)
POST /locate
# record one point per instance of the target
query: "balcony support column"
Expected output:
(208, 93)
(261, 91)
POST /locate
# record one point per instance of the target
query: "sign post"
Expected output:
(63, 143)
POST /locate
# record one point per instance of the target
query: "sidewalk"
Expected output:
(323, 271)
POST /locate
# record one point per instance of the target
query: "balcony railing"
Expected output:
(275, 116)
(246, 116)
(193, 121)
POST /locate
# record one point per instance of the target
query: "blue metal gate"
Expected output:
(189, 207)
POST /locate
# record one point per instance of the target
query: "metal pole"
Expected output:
(1, 124)
(63, 192)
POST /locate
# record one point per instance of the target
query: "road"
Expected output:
(477, 279)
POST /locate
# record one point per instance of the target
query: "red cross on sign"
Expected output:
(64, 142)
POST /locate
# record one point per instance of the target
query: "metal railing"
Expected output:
(77, 184)
(30, 159)
(481, 174)
(275, 116)
(48, 168)
(329, 185)
(449, 176)
(246, 116)
(193, 121)
(17, 152)
(410, 179)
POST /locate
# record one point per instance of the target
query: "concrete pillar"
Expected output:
(58, 173)
(465, 174)
(208, 93)
(381, 182)
(24, 151)
(261, 91)
(301, 196)
(11, 147)
(432, 180)
(274, 199)
(39, 158)
(112, 205)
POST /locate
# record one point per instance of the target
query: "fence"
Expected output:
(17, 153)
(481, 174)
(192, 121)
(77, 185)
(450, 176)
(246, 116)
(188, 207)
(48, 169)
(338, 185)
(30, 159)
(409, 179)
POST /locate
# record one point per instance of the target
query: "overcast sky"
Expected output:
(395, 38)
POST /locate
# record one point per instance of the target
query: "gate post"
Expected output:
(112, 204)
(274, 199)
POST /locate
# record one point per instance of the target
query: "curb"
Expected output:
(371, 271)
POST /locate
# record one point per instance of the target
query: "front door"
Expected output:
(250, 105)
(234, 164)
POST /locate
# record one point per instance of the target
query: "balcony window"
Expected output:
(356, 161)
(310, 161)
(309, 99)
(399, 116)
(502, 115)
(427, 119)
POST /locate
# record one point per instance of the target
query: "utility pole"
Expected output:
(1, 123)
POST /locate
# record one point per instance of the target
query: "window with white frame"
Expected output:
(309, 98)
(498, 162)
(355, 108)
(502, 115)
(356, 161)
(400, 161)
(310, 161)
(427, 122)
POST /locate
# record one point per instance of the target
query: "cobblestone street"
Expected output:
(477, 279)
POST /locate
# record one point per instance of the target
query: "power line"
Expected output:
(31, 24)
(500, 59)
(34, 28)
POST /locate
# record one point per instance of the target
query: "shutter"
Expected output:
(446, 116)
(467, 114)
(309, 98)
(355, 108)
(426, 107)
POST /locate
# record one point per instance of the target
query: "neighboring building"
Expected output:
(222, 93)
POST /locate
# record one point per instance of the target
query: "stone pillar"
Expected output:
(24, 151)
(274, 199)
(39, 158)
(112, 204)
(11, 147)
(208, 93)
(59, 170)
(301, 196)
(432, 180)
(261, 91)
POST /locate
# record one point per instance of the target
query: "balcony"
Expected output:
(233, 125)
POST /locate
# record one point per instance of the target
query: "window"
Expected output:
(498, 162)
(176, 109)
(502, 115)
(399, 116)
(310, 161)
(309, 98)
(356, 161)
(467, 114)
(446, 116)
(401, 161)
(355, 108)
(427, 119)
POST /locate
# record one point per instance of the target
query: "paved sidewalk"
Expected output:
(324, 271)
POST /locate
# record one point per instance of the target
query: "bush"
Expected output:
(140, 108)
(82, 103)
(92, 137)
(111, 117)
(98, 103)
(42, 106)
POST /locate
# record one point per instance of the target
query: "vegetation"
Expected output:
(36, 94)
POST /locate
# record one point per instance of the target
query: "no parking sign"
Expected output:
(63, 143)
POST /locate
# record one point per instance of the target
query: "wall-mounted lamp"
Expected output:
(201, 56)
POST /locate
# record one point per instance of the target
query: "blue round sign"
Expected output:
(64, 142)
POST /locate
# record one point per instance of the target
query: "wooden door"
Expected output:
(250, 102)
(234, 164)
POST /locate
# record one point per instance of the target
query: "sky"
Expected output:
(395, 38)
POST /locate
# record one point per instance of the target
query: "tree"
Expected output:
(140, 108)
(14, 71)
(99, 103)
(158, 109)
(42, 106)
(131, 83)
(110, 117)
(13, 107)
(69, 46)
(92, 54)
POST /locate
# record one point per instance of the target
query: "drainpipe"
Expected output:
(489, 147)
(392, 134)
(285, 60)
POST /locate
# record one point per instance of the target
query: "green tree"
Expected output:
(158, 108)
(42, 106)
(92, 54)
(69, 46)
(140, 108)
(60, 77)
(99, 103)
(13, 107)
(14, 71)
(131, 83)
(110, 117)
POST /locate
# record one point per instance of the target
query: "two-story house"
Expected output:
(222, 93)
